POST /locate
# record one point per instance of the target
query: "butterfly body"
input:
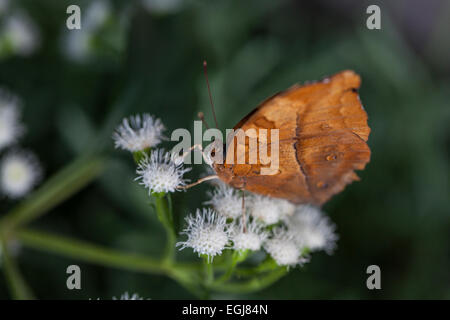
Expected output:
(322, 131)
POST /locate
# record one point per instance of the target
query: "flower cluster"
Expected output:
(19, 169)
(285, 231)
(236, 220)
(157, 170)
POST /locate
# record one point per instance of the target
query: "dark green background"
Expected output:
(397, 216)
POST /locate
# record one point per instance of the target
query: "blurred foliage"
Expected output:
(397, 216)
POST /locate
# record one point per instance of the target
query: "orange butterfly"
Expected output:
(322, 139)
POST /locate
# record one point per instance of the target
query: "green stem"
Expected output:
(209, 272)
(188, 275)
(254, 284)
(88, 252)
(208, 277)
(267, 265)
(138, 156)
(236, 257)
(17, 284)
(165, 216)
(58, 188)
(191, 281)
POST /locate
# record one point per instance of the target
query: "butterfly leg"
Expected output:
(198, 147)
(198, 182)
(195, 146)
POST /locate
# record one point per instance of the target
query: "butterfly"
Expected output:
(323, 135)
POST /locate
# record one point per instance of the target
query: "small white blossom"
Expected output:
(283, 249)
(159, 173)
(253, 237)
(20, 34)
(287, 209)
(313, 230)
(138, 133)
(127, 296)
(19, 173)
(226, 202)
(207, 232)
(10, 127)
(269, 210)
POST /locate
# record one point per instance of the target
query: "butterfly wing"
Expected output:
(322, 139)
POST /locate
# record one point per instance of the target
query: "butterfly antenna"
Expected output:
(205, 70)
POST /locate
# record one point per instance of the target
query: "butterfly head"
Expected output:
(215, 156)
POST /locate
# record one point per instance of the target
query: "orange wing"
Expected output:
(322, 131)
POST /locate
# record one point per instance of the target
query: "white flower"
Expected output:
(159, 173)
(283, 249)
(20, 34)
(207, 232)
(269, 210)
(138, 133)
(287, 209)
(127, 296)
(10, 127)
(313, 230)
(19, 173)
(251, 238)
(226, 202)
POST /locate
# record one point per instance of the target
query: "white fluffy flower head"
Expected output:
(159, 173)
(138, 133)
(207, 233)
(283, 249)
(252, 238)
(10, 127)
(312, 229)
(226, 202)
(19, 173)
(269, 210)
(21, 33)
